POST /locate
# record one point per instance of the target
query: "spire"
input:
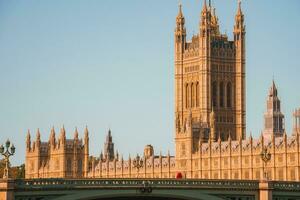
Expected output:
(239, 12)
(28, 135)
(86, 132)
(52, 136)
(180, 21)
(180, 14)
(273, 90)
(28, 140)
(239, 28)
(52, 133)
(63, 132)
(76, 133)
(204, 8)
(38, 135)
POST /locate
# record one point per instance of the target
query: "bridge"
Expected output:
(152, 189)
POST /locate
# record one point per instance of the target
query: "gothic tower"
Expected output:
(209, 83)
(109, 147)
(274, 119)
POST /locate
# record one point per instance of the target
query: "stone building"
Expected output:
(59, 157)
(210, 137)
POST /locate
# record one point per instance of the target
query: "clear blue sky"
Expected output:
(110, 64)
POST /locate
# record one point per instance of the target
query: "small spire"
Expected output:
(204, 9)
(28, 134)
(219, 139)
(28, 139)
(86, 132)
(239, 7)
(52, 130)
(180, 9)
(63, 131)
(76, 133)
(38, 134)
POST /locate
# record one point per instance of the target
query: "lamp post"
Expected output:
(138, 163)
(9, 151)
(266, 157)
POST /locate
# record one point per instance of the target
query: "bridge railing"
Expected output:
(36, 184)
(285, 185)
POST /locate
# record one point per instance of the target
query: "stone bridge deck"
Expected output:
(156, 189)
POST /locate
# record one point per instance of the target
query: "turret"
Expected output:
(180, 31)
(62, 137)
(86, 151)
(38, 139)
(76, 134)
(28, 141)
(205, 23)
(52, 138)
(239, 41)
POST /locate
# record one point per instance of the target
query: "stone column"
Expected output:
(265, 190)
(7, 189)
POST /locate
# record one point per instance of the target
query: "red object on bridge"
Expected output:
(179, 175)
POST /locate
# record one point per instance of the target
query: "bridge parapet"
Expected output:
(127, 183)
(178, 189)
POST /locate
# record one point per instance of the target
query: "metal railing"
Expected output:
(37, 184)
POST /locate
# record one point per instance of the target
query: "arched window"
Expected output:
(197, 94)
(69, 165)
(79, 166)
(214, 94)
(192, 95)
(229, 95)
(186, 95)
(221, 95)
(182, 149)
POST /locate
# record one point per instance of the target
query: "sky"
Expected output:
(110, 64)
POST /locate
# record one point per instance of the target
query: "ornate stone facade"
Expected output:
(59, 157)
(209, 84)
(210, 138)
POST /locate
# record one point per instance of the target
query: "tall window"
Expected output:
(79, 166)
(197, 94)
(69, 165)
(186, 95)
(221, 94)
(214, 94)
(229, 95)
(192, 95)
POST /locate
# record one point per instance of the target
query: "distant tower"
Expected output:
(274, 119)
(296, 115)
(109, 147)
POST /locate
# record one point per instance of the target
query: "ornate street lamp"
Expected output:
(138, 163)
(266, 157)
(10, 150)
